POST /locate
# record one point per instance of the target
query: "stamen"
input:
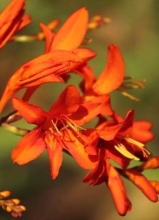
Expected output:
(140, 145)
(124, 93)
(55, 127)
(72, 125)
(128, 83)
(132, 141)
(133, 84)
(122, 149)
(98, 21)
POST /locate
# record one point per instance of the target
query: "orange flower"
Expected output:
(56, 130)
(43, 69)
(113, 140)
(12, 19)
(118, 136)
(105, 172)
(62, 57)
(140, 130)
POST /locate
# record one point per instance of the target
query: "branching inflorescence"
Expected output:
(62, 128)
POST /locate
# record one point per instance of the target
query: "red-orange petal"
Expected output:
(85, 54)
(71, 34)
(26, 19)
(109, 132)
(141, 131)
(45, 68)
(143, 184)
(127, 123)
(151, 163)
(74, 145)
(54, 151)
(32, 114)
(86, 113)
(29, 147)
(10, 19)
(118, 192)
(113, 74)
(49, 35)
(67, 103)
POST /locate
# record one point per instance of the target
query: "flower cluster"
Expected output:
(11, 205)
(62, 128)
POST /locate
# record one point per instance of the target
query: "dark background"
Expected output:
(134, 28)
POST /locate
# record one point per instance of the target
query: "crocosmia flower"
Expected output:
(114, 140)
(62, 55)
(56, 130)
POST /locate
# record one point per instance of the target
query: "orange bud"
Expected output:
(118, 192)
(152, 163)
(4, 194)
(143, 184)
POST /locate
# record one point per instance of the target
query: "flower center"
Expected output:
(57, 125)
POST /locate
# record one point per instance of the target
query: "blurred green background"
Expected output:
(135, 29)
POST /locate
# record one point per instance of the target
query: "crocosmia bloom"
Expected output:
(56, 130)
(62, 55)
(12, 19)
(114, 140)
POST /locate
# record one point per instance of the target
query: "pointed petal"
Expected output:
(109, 132)
(11, 11)
(26, 19)
(54, 151)
(127, 123)
(75, 147)
(29, 147)
(71, 34)
(49, 36)
(86, 113)
(85, 54)
(67, 103)
(113, 74)
(98, 175)
(31, 113)
(117, 189)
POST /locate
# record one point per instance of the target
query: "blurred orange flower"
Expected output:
(12, 19)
